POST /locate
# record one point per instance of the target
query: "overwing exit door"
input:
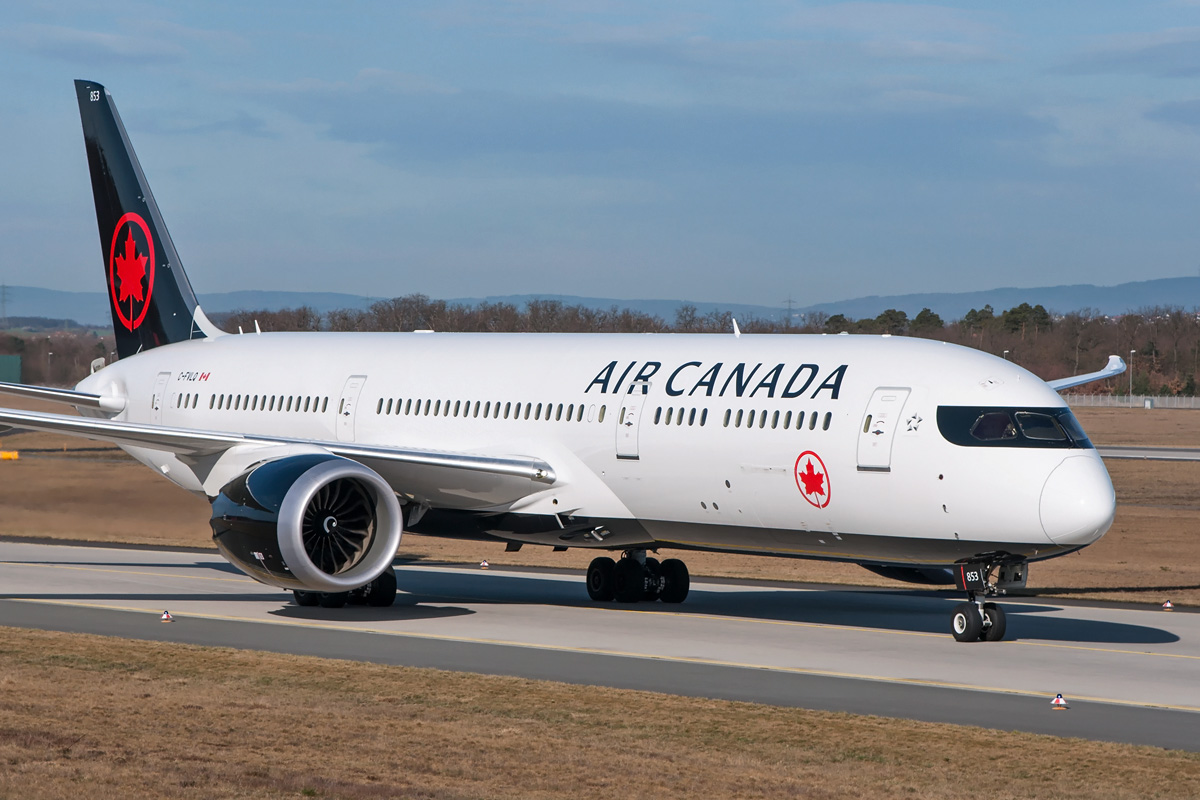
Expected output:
(629, 420)
(346, 407)
(879, 428)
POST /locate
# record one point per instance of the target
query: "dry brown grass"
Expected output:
(99, 717)
(1151, 554)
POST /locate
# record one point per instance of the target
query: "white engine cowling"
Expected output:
(314, 522)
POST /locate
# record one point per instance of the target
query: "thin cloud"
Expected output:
(93, 47)
(1173, 53)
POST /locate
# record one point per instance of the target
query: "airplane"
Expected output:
(919, 460)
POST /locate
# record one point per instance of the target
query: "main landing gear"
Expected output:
(636, 577)
(977, 620)
(379, 593)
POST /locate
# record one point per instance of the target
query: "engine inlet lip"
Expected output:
(387, 526)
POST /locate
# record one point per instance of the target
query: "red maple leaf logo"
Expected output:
(131, 269)
(814, 482)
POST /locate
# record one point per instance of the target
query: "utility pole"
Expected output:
(787, 322)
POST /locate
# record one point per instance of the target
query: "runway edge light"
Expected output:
(1168, 606)
(483, 564)
(166, 617)
(1058, 703)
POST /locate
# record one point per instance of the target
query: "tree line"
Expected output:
(1165, 341)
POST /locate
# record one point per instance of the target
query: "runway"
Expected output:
(1128, 673)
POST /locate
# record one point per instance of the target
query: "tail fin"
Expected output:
(151, 301)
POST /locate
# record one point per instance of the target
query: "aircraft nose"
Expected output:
(1078, 501)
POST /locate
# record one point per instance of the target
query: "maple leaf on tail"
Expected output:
(813, 481)
(131, 270)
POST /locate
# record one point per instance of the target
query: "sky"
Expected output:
(731, 152)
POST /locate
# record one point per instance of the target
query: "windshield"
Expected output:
(984, 426)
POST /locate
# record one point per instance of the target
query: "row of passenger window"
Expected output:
(256, 402)
(741, 418)
(489, 409)
(776, 418)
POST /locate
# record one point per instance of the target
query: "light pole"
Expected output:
(1131, 352)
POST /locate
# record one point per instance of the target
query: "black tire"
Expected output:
(966, 623)
(676, 581)
(333, 599)
(653, 585)
(600, 579)
(995, 623)
(629, 581)
(381, 592)
(303, 598)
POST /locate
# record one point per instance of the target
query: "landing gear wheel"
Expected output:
(333, 599)
(653, 582)
(676, 581)
(629, 581)
(381, 592)
(967, 623)
(303, 598)
(600, 579)
(994, 623)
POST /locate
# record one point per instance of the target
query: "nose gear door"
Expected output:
(879, 428)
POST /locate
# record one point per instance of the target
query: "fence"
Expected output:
(1127, 401)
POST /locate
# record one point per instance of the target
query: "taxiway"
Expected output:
(1129, 673)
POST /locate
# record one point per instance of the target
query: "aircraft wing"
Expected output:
(65, 396)
(188, 442)
(1115, 366)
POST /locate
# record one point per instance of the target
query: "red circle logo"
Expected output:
(812, 479)
(131, 270)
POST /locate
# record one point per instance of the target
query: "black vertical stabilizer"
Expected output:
(151, 301)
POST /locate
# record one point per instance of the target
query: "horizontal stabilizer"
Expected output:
(1114, 367)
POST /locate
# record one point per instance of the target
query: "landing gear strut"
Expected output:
(379, 593)
(977, 620)
(635, 578)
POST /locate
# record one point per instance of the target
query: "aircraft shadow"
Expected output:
(919, 611)
(215, 566)
(403, 609)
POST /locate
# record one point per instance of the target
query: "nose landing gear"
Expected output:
(977, 620)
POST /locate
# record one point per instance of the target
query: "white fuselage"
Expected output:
(738, 472)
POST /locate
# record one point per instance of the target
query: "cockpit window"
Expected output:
(993, 426)
(989, 426)
(1042, 427)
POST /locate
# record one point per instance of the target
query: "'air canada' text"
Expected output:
(740, 380)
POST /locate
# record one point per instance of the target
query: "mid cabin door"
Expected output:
(629, 420)
(347, 406)
(879, 428)
(156, 402)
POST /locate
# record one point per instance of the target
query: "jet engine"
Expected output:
(313, 522)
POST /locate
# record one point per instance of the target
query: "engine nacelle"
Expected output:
(313, 522)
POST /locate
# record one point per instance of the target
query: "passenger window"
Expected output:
(679, 417)
(212, 401)
(703, 416)
(657, 415)
(558, 413)
(787, 420)
(307, 400)
(828, 419)
(601, 417)
(528, 409)
(692, 418)
(867, 424)
(1041, 427)
(457, 405)
(812, 421)
(762, 420)
(669, 412)
(775, 420)
(476, 410)
(993, 426)
(738, 423)
(379, 406)
(727, 413)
